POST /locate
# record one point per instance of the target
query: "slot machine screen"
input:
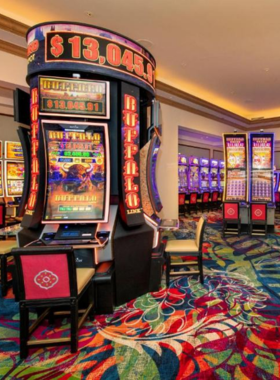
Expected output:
(204, 172)
(1, 180)
(214, 177)
(77, 172)
(14, 174)
(13, 150)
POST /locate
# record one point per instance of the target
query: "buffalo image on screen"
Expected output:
(76, 177)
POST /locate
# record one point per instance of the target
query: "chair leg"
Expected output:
(74, 325)
(24, 326)
(200, 265)
(167, 271)
(4, 281)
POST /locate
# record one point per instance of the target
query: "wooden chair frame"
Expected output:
(197, 254)
(70, 302)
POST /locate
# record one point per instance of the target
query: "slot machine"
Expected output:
(204, 182)
(221, 175)
(182, 173)
(261, 164)
(236, 172)
(193, 174)
(90, 90)
(214, 176)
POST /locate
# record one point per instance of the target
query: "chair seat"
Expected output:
(6, 246)
(83, 277)
(174, 246)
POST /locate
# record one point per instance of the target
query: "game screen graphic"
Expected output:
(1, 180)
(193, 161)
(13, 150)
(214, 177)
(261, 152)
(222, 177)
(236, 185)
(236, 152)
(194, 176)
(261, 186)
(204, 175)
(76, 177)
(14, 178)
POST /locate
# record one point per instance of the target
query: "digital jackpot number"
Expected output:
(88, 48)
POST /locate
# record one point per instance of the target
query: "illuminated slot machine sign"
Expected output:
(204, 173)
(235, 148)
(214, 164)
(78, 98)
(1, 180)
(193, 173)
(78, 173)
(182, 173)
(14, 177)
(261, 167)
(13, 150)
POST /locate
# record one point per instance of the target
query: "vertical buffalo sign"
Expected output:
(131, 207)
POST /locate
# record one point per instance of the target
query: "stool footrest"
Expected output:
(184, 272)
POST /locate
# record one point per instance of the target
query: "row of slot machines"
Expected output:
(249, 172)
(11, 169)
(200, 174)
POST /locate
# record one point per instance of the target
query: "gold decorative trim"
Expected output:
(13, 26)
(10, 48)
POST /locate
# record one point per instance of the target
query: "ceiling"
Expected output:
(224, 52)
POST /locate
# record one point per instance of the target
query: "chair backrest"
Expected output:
(231, 211)
(215, 195)
(45, 272)
(277, 197)
(205, 197)
(2, 215)
(199, 232)
(182, 198)
(193, 198)
(258, 211)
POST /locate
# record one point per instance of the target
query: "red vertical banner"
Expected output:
(131, 206)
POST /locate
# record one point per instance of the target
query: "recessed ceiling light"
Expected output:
(266, 69)
(183, 64)
(248, 101)
(88, 13)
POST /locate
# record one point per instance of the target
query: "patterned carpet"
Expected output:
(227, 328)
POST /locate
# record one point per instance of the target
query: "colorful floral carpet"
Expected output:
(227, 328)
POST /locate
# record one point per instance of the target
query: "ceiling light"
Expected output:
(266, 69)
(146, 43)
(88, 13)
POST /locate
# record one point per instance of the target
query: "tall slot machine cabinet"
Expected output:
(182, 173)
(90, 90)
(236, 172)
(261, 168)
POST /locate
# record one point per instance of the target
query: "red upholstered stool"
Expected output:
(258, 219)
(231, 219)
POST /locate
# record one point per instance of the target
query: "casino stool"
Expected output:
(203, 202)
(181, 199)
(191, 203)
(231, 218)
(182, 248)
(48, 279)
(104, 290)
(2, 215)
(277, 201)
(5, 254)
(258, 217)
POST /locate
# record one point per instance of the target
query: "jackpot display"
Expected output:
(1, 180)
(14, 174)
(182, 173)
(193, 173)
(261, 167)
(13, 150)
(204, 173)
(77, 98)
(77, 173)
(235, 149)
(214, 165)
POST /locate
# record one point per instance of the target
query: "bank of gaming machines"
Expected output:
(91, 92)
(193, 174)
(182, 173)
(249, 172)
(204, 180)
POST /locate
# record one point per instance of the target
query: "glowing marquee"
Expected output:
(130, 159)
